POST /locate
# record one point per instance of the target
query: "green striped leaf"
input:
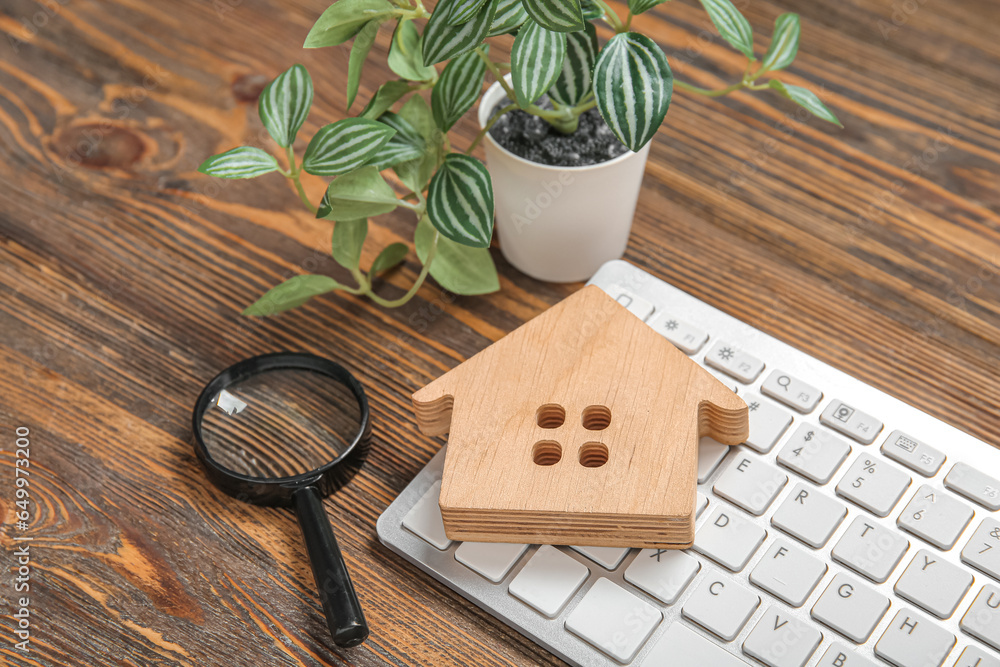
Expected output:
(389, 258)
(732, 25)
(633, 85)
(362, 193)
(343, 19)
(406, 144)
(405, 58)
(242, 162)
(591, 10)
(556, 15)
(456, 267)
(415, 174)
(290, 294)
(285, 103)
(348, 239)
(388, 94)
(463, 10)
(363, 43)
(784, 43)
(536, 61)
(344, 146)
(806, 99)
(443, 41)
(460, 201)
(640, 6)
(510, 14)
(576, 78)
(457, 89)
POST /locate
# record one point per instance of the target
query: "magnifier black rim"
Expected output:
(275, 361)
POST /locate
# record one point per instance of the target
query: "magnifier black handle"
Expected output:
(336, 592)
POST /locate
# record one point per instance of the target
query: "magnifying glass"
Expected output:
(784, 381)
(286, 430)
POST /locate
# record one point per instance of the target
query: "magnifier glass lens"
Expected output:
(280, 423)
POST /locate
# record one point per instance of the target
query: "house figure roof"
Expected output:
(579, 427)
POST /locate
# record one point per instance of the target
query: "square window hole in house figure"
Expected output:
(579, 427)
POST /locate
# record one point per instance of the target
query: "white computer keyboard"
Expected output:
(850, 530)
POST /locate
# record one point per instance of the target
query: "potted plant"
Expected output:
(562, 90)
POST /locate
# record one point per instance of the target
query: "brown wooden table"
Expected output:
(123, 273)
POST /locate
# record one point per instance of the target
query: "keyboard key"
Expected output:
(710, 455)
(870, 549)
(728, 538)
(721, 606)
(914, 641)
(976, 657)
(701, 505)
(750, 483)
(791, 391)
(874, 485)
(734, 362)
(491, 560)
(662, 573)
(933, 584)
(913, 454)
(424, 519)
(548, 580)
(768, 422)
(778, 640)
(681, 646)
(814, 453)
(612, 619)
(852, 423)
(982, 620)
(840, 655)
(606, 557)
(687, 337)
(809, 516)
(982, 551)
(974, 485)
(788, 573)
(935, 516)
(850, 608)
(636, 305)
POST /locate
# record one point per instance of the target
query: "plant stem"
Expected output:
(489, 125)
(294, 175)
(395, 303)
(611, 18)
(417, 12)
(495, 71)
(565, 120)
(708, 92)
(418, 207)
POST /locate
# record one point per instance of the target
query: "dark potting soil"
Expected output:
(533, 139)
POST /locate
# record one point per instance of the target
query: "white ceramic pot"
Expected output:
(560, 224)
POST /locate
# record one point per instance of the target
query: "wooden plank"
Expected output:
(123, 271)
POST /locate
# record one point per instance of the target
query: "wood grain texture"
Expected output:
(123, 272)
(581, 426)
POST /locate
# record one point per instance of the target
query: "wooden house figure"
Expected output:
(579, 427)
